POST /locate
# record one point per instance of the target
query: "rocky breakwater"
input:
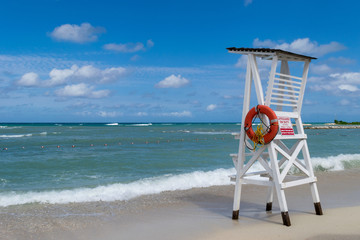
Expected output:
(332, 126)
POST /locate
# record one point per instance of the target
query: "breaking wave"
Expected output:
(155, 185)
(122, 191)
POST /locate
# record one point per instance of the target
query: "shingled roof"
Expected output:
(268, 53)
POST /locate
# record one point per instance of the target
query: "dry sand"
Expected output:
(203, 213)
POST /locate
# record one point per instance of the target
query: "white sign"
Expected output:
(285, 126)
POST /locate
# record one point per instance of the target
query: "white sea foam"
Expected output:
(184, 131)
(336, 163)
(141, 124)
(331, 163)
(7, 127)
(123, 191)
(112, 124)
(16, 135)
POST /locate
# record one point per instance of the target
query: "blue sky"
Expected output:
(166, 61)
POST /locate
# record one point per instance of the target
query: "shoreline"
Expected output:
(200, 213)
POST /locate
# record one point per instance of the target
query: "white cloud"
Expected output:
(247, 2)
(173, 82)
(135, 58)
(39, 64)
(348, 87)
(211, 107)
(59, 76)
(81, 90)
(88, 71)
(338, 83)
(266, 43)
(85, 73)
(316, 79)
(262, 64)
(233, 96)
(178, 114)
(141, 114)
(344, 102)
(112, 74)
(99, 94)
(75, 33)
(320, 69)
(84, 113)
(301, 46)
(309, 102)
(242, 62)
(129, 47)
(341, 60)
(347, 77)
(29, 80)
(108, 114)
(125, 48)
(149, 43)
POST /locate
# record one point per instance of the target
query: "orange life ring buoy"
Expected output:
(274, 126)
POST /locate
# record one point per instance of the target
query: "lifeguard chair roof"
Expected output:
(268, 53)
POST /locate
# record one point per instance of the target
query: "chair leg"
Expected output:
(286, 219)
(283, 205)
(318, 208)
(316, 199)
(269, 200)
(269, 206)
(237, 197)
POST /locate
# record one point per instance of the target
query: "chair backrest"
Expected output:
(285, 92)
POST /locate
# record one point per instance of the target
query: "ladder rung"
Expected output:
(287, 80)
(295, 136)
(288, 76)
(287, 85)
(284, 99)
(286, 90)
(283, 104)
(298, 182)
(256, 173)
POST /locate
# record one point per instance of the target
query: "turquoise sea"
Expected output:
(73, 162)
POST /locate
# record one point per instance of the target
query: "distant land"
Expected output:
(346, 123)
(336, 125)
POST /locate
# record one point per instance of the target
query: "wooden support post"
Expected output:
(270, 196)
(318, 208)
(241, 153)
(268, 206)
(277, 182)
(286, 218)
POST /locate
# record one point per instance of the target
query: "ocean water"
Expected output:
(63, 163)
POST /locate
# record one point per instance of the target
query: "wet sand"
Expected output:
(203, 213)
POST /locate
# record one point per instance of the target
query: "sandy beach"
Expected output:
(203, 213)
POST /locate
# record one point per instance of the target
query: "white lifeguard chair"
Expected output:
(285, 96)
